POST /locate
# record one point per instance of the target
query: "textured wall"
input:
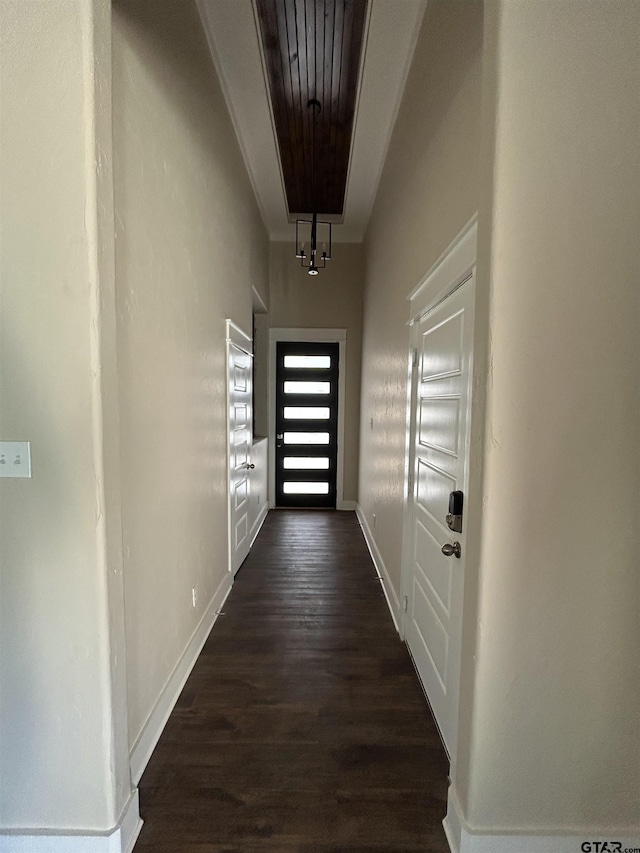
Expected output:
(63, 738)
(189, 246)
(332, 300)
(552, 738)
(428, 191)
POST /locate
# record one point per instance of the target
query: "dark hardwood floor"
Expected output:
(302, 726)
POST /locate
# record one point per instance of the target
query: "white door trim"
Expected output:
(456, 262)
(454, 268)
(328, 336)
(238, 338)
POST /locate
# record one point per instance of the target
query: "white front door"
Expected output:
(240, 431)
(440, 420)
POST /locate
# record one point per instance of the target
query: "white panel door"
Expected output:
(439, 462)
(240, 430)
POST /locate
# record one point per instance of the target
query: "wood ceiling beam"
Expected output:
(312, 50)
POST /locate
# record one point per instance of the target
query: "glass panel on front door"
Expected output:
(306, 424)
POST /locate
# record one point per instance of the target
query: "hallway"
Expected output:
(302, 726)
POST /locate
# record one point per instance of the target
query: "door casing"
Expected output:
(338, 336)
(237, 340)
(455, 267)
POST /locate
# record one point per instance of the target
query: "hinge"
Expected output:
(410, 485)
(414, 357)
(405, 603)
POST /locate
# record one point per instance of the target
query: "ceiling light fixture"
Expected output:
(310, 262)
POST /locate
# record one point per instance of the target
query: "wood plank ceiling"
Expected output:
(312, 50)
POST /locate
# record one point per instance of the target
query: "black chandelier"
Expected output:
(314, 261)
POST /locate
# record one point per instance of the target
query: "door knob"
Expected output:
(452, 549)
(250, 465)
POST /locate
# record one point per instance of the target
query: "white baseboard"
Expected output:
(349, 506)
(150, 734)
(463, 840)
(121, 839)
(258, 524)
(381, 570)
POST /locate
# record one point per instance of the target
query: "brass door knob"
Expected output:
(452, 549)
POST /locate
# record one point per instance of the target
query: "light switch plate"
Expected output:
(15, 459)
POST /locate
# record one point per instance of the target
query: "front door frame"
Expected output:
(329, 336)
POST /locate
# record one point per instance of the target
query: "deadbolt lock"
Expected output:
(454, 516)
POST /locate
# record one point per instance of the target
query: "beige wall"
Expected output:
(189, 246)
(63, 734)
(548, 739)
(428, 191)
(551, 732)
(333, 300)
(549, 722)
(261, 374)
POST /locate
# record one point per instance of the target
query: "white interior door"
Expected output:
(440, 419)
(240, 431)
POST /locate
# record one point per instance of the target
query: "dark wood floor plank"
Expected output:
(302, 728)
